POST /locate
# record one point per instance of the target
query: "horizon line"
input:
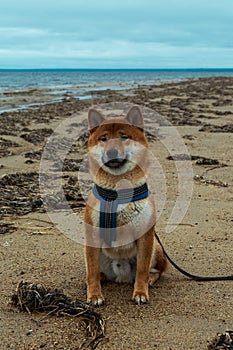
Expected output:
(117, 69)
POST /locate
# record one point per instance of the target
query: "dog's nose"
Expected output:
(112, 153)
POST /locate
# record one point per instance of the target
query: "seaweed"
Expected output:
(36, 155)
(199, 159)
(181, 156)
(223, 341)
(201, 179)
(217, 128)
(6, 228)
(20, 194)
(37, 136)
(31, 297)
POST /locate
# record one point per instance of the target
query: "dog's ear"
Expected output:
(95, 118)
(134, 117)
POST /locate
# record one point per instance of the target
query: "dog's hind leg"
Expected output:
(159, 264)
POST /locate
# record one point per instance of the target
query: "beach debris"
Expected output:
(31, 297)
(150, 136)
(74, 194)
(6, 228)
(71, 164)
(181, 156)
(37, 136)
(222, 102)
(189, 137)
(29, 347)
(5, 146)
(20, 194)
(36, 155)
(222, 341)
(208, 161)
(8, 143)
(201, 179)
(200, 160)
(217, 128)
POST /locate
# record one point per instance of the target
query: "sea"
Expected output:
(20, 79)
(79, 83)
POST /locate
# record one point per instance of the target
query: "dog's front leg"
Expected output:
(144, 256)
(94, 294)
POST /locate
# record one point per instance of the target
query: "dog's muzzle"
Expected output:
(112, 159)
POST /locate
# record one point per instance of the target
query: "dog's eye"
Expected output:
(124, 137)
(103, 138)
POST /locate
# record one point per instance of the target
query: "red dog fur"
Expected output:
(126, 137)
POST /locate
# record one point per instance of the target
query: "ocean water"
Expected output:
(87, 79)
(56, 84)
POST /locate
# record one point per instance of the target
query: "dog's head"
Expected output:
(117, 144)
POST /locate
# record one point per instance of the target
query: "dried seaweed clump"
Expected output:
(217, 128)
(20, 194)
(201, 179)
(37, 136)
(223, 341)
(35, 298)
(6, 228)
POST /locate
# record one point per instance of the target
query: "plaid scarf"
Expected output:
(109, 200)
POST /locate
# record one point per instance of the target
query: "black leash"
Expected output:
(189, 275)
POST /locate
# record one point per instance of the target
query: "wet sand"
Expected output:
(181, 314)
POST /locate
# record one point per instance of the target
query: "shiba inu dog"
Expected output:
(120, 211)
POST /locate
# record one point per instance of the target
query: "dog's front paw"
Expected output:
(96, 299)
(140, 298)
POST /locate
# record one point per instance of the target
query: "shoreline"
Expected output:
(80, 83)
(182, 314)
(11, 101)
(34, 97)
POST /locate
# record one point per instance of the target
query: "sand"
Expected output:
(181, 313)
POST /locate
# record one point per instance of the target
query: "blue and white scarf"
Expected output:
(109, 200)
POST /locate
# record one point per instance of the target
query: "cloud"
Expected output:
(115, 53)
(120, 33)
(16, 32)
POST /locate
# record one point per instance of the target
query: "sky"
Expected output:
(116, 34)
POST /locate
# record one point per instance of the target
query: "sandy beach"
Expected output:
(182, 314)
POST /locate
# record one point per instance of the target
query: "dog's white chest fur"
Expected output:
(130, 216)
(119, 263)
(118, 270)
